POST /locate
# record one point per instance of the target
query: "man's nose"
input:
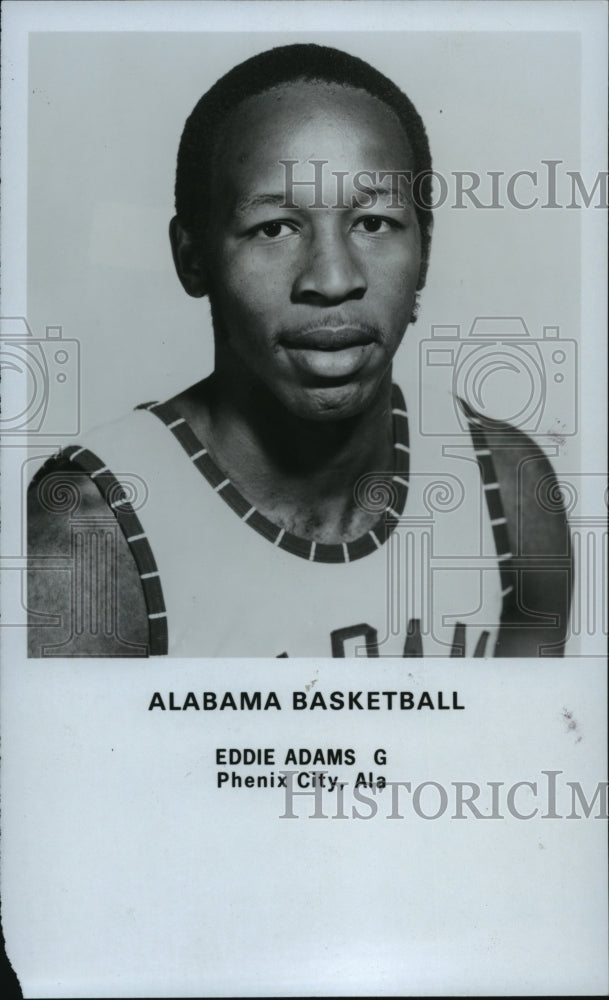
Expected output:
(330, 272)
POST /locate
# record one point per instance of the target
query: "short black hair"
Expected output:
(262, 72)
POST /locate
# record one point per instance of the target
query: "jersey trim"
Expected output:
(341, 552)
(494, 503)
(113, 492)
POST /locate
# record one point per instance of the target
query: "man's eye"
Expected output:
(273, 229)
(374, 224)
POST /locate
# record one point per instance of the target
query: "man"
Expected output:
(286, 503)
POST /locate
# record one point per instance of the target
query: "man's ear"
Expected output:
(425, 259)
(188, 260)
(422, 274)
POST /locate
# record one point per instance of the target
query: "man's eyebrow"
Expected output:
(249, 202)
(382, 187)
(391, 186)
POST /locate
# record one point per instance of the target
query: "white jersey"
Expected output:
(220, 579)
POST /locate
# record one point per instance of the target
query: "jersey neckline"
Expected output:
(385, 492)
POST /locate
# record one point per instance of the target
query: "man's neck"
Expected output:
(300, 473)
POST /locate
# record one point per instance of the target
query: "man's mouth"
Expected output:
(326, 338)
(330, 352)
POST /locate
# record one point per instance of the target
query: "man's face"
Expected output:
(312, 300)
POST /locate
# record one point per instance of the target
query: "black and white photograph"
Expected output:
(280, 467)
(303, 366)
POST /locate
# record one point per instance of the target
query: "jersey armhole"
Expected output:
(115, 495)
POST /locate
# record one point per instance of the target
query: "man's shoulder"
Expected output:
(535, 619)
(529, 486)
(78, 558)
(127, 443)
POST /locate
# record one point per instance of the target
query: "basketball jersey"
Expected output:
(220, 579)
